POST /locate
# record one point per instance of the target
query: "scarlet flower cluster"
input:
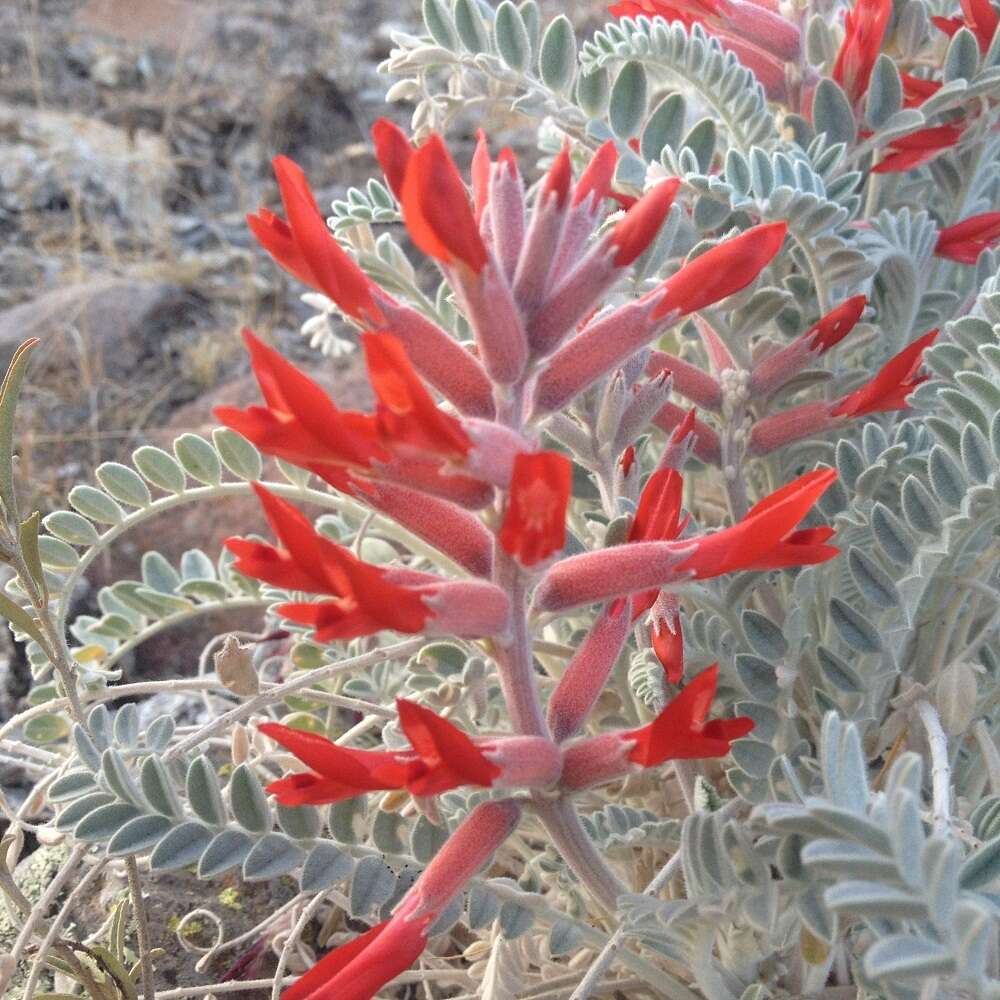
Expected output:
(471, 479)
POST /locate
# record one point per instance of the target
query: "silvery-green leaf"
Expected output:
(837, 859)
(904, 956)
(238, 455)
(445, 920)
(123, 484)
(985, 818)
(117, 777)
(850, 462)
(982, 867)
(919, 507)
(159, 789)
(204, 793)
(956, 695)
(439, 24)
(753, 756)
(564, 938)
(838, 672)
(761, 173)
(511, 35)
(426, 839)
(557, 54)
(874, 583)
(271, 856)
(962, 59)
(891, 535)
(532, 17)
(56, 554)
(976, 455)
(628, 100)
(832, 112)
(764, 636)
(386, 832)
(300, 822)
(199, 459)
(99, 725)
(138, 835)
(470, 26)
(76, 811)
(820, 46)
(975, 929)
(515, 920)
(593, 92)
(72, 785)
(701, 141)
(95, 504)
(103, 822)
(325, 866)
(940, 864)
(814, 914)
(947, 480)
(228, 850)
(126, 727)
(664, 127)
(344, 817)
(159, 468)
(885, 92)
(181, 847)
(160, 732)
(158, 574)
(482, 907)
(758, 676)
(854, 628)
(371, 886)
(873, 899)
(248, 801)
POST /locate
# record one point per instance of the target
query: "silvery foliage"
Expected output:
(824, 854)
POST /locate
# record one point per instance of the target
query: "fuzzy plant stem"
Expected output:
(940, 769)
(603, 961)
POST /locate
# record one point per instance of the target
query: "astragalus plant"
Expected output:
(641, 639)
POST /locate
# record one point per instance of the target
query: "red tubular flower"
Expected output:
(305, 247)
(704, 443)
(682, 442)
(666, 636)
(864, 31)
(895, 380)
(366, 598)
(407, 415)
(918, 148)
(765, 539)
(358, 970)
(299, 422)
(980, 17)
(393, 152)
(642, 222)
(597, 177)
(534, 526)
(719, 272)
(776, 369)
(689, 380)
(966, 240)
(436, 208)
(679, 732)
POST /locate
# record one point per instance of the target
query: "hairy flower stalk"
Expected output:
(526, 278)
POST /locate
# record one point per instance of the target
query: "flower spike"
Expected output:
(393, 152)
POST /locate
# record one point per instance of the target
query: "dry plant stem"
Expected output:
(142, 928)
(293, 935)
(940, 769)
(603, 961)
